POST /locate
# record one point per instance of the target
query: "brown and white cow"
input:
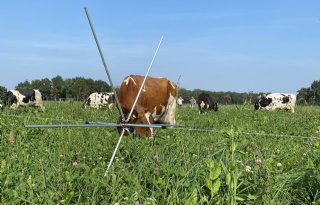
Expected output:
(157, 101)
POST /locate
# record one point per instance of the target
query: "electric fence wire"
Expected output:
(179, 128)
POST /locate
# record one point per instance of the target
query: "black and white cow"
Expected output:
(205, 103)
(24, 97)
(274, 101)
(98, 100)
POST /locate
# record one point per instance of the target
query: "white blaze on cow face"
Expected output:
(202, 105)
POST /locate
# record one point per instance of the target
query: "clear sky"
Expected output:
(239, 45)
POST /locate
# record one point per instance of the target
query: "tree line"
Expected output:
(79, 88)
(57, 88)
(310, 95)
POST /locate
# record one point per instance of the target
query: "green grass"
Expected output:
(66, 166)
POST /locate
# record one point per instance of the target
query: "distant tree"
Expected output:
(101, 86)
(310, 94)
(304, 95)
(227, 99)
(315, 91)
(58, 89)
(3, 91)
(44, 85)
(24, 85)
(80, 88)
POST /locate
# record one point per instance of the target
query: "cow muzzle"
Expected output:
(128, 130)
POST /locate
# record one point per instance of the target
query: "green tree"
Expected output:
(58, 89)
(101, 86)
(79, 88)
(44, 85)
(304, 95)
(3, 91)
(311, 94)
(315, 91)
(24, 85)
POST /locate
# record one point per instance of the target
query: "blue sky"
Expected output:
(260, 46)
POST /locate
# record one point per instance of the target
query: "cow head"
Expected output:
(141, 118)
(144, 118)
(128, 130)
(215, 107)
(202, 107)
(262, 102)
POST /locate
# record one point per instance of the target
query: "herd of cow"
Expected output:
(156, 104)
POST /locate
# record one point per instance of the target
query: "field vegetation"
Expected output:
(233, 156)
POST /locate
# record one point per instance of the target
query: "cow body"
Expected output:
(99, 100)
(24, 97)
(157, 101)
(276, 101)
(205, 103)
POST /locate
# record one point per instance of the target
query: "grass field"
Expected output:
(233, 156)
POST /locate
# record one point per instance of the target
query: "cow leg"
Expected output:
(291, 108)
(43, 109)
(14, 106)
(147, 115)
(40, 104)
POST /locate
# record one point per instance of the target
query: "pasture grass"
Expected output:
(205, 163)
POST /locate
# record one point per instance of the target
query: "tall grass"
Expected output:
(66, 166)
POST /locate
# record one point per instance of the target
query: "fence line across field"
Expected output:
(181, 128)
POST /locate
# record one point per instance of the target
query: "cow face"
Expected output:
(142, 118)
(202, 107)
(215, 107)
(128, 130)
(262, 102)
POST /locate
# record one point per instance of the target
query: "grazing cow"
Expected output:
(157, 102)
(205, 103)
(98, 100)
(276, 101)
(24, 97)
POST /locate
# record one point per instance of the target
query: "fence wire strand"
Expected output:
(179, 128)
